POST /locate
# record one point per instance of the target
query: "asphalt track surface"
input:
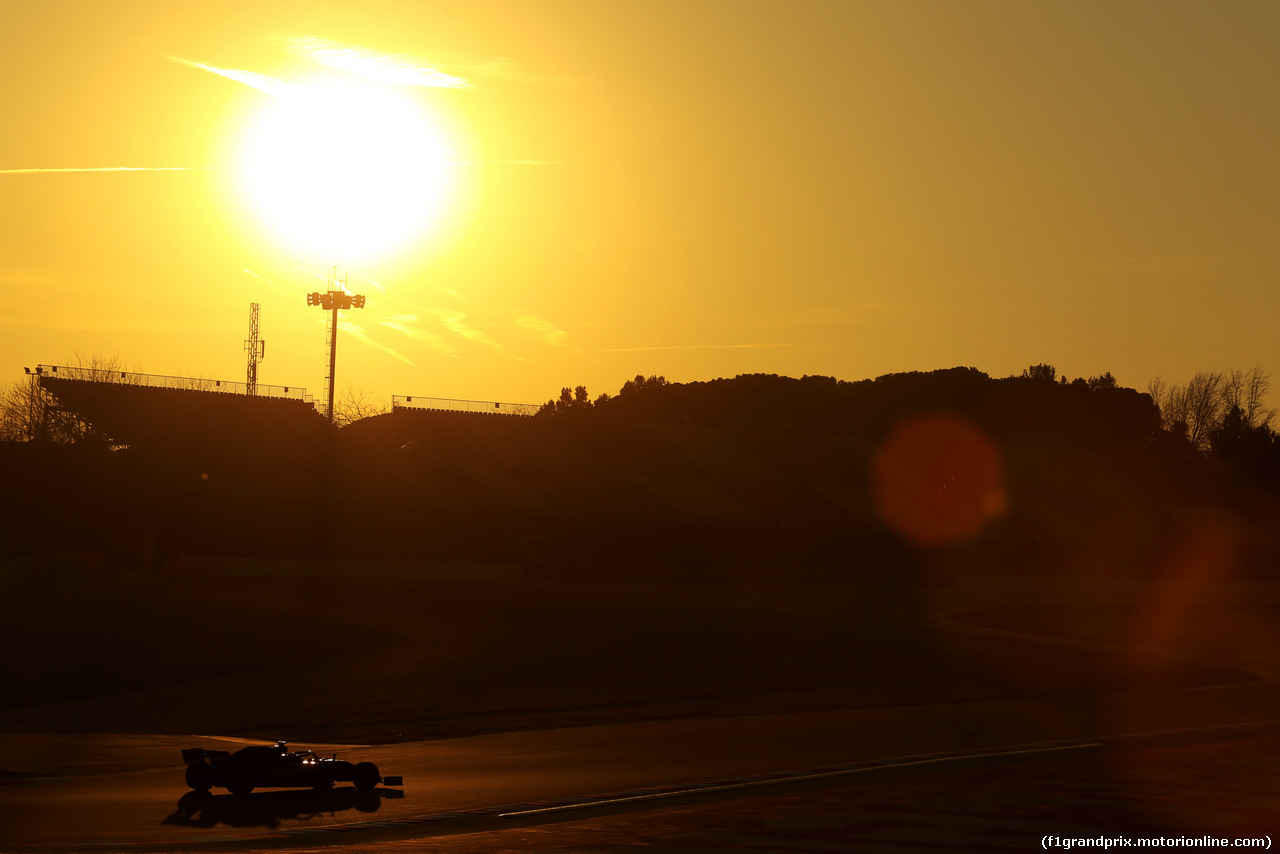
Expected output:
(511, 791)
(138, 796)
(1167, 794)
(126, 792)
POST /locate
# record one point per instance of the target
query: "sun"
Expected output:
(342, 171)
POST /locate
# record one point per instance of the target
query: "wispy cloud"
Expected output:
(453, 321)
(260, 278)
(106, 169)
(543, 328)
(261, 82)
(388, 68)
(356, 331)
(396, 69)
(405, 325)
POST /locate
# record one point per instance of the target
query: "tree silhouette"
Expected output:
(28, 413)
(1043, 372)
(573, 401)
(1212, 402)
(352, 405)
(577, 400)
(1104, 381)
(640, 384)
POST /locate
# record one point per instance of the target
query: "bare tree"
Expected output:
(1203, 406)
(1157, 388)
(29, 413)
(1199, 409)
(353, 405)
(1245, 392)
(24, 409)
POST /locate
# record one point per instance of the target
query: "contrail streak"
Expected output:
(107, 169)
(261, 82)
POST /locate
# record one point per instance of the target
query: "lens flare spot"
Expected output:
(937, 480)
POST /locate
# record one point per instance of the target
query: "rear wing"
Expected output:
(203, 755)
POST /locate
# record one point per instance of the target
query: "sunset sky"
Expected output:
(540, 194)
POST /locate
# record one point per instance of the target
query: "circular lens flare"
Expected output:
(938, 480)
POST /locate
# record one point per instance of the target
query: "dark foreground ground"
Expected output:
(347, 660)
(1204, 790)
(1227, 790)
(354, 661)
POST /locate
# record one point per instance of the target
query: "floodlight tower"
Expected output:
(257, 350)
(333, 299)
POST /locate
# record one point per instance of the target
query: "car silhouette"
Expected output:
(259, 765)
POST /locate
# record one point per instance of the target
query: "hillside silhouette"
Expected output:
(758, 476)
(1014, 410)
(197, 561)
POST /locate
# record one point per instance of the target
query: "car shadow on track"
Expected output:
(269, 809)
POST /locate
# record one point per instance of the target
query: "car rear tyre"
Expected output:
(365, 776)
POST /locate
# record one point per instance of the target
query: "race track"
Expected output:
(1045, 693)
(126, 792)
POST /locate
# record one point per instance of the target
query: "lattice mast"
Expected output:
(335, 298)
(257, 350)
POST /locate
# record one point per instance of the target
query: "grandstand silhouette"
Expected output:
(443, 404)
(156, 411)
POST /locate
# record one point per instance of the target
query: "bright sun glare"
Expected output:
(341, 171)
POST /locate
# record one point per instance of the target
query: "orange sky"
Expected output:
(695, 189)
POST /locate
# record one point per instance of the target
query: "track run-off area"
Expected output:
(73, 791)
(126, 792)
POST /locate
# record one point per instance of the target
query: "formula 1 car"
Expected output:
(259, 765)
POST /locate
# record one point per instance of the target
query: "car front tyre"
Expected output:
(199, 777)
